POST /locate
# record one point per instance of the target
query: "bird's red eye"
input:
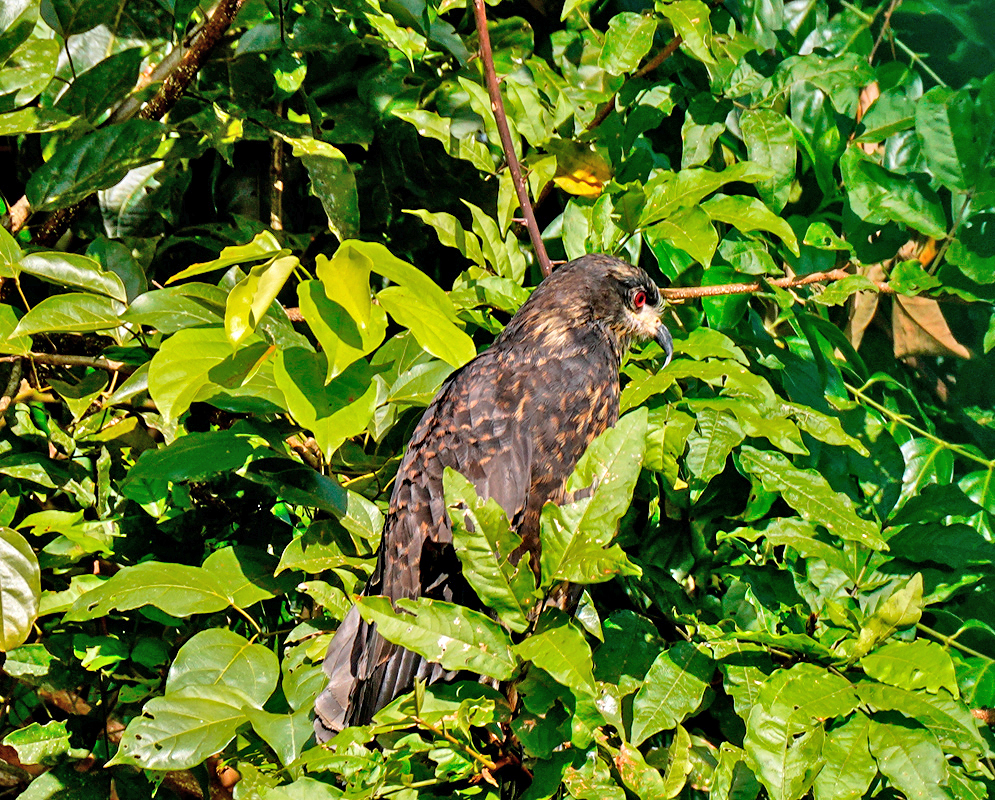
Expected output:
(639, 299)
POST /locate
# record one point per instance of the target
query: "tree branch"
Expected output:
(692, 292)
(182, 66)
(501, 119)
(59, 360)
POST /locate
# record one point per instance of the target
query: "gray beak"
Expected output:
(666, 341)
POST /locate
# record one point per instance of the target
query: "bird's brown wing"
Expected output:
(474, 425)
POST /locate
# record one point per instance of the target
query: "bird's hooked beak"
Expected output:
(665, 340)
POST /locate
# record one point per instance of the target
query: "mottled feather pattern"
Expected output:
(514, 421)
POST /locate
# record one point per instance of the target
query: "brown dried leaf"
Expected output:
(920, 329)
(863, 306)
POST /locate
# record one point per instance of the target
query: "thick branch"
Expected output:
(183, 65)
(497, 106)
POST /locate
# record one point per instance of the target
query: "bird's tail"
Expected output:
(365, 673)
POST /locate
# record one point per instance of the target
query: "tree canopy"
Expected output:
(242, 247)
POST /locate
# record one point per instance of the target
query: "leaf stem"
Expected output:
(950, 641)
(443, 733)
(914, 56)
(901, 418)
(248, 617)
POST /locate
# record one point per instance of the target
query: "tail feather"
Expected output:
(365, 673)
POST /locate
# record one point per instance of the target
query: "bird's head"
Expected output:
(606, 292)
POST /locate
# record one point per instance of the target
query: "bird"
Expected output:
(514, 421)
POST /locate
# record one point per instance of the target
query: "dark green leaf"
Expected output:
(673, 689)
(96, 161)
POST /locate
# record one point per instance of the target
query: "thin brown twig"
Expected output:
(692, 292)
(884, 28)
(58, 360)
(643, 71)
(501, 119)
(11, 389)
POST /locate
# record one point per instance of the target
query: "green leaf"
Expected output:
(913, 665)
(926, 462)
(849, 768)
(902, 609)
(170, 310)
(246, 574)
(34, 120)
(71, 313)
(333, 412)
(433, 330)
(101, 86)
(823, 427)
(576, 537)
(251, 297)
(177, 589)
(418, 385)
(39, 744)
(953, 143)
(667, 192)
(445, 633)
(299, 484)
(287, 734)
(631, 645)
(344, 336)
(466, 147)
(29, 69)
(485, 542)
(691, 22)
(628, 39)
(562, 651)
(691, 230)
(809, 494)
(96, 161)
(910, 758)
(263, 246)
(332, 182)
(16, 345)
(785, 744)
(451, 233)
(198, 364)
(679, 764)
(749, 214)
(76, 272)
(69, 17)
(182, 729)
(673, 689)
(223, 659)
(19, 20)
(718, 434)
(20, 589)
(878, 195)
(770, 142)
(192, 457)
(949, 720)
(324, 545)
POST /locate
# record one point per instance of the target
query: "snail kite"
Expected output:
(514, 421)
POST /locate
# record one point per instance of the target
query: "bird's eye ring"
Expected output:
(639, 299)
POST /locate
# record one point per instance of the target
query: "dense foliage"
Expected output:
(211, 376)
